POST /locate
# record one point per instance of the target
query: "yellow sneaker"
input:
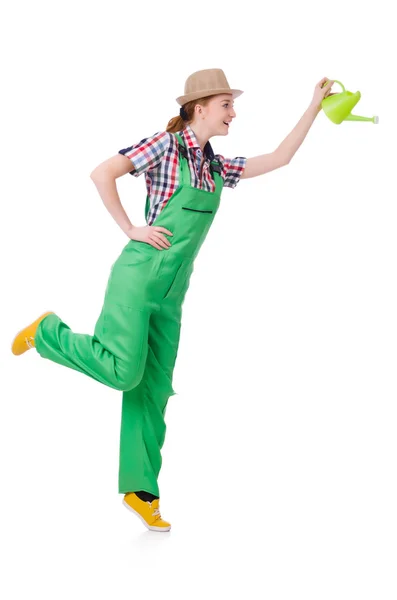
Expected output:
(148, 512)
(24, 340)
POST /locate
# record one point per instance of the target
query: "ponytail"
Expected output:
(175, 124)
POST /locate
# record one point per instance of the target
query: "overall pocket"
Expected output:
(137, 253)
(193, 224)
(180, 282)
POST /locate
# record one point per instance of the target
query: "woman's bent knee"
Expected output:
(129, 381)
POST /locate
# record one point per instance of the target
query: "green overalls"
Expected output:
(136, 337)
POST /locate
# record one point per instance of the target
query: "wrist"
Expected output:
(128, 229)
(314, 108)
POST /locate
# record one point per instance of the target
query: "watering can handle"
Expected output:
(336, 81)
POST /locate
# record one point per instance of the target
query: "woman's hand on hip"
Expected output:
(150, 234)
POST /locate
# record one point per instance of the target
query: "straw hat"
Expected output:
(206, 83)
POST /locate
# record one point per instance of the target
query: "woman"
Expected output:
(135, 343)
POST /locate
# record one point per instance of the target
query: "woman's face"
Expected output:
(218, 114)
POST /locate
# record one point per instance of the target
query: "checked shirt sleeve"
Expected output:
(148, 153)
(232, 169)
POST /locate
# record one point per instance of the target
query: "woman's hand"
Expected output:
(150, 235)
(321, 92)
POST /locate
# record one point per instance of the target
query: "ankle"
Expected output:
(146, 496)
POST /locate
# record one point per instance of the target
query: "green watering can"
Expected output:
(338, 107)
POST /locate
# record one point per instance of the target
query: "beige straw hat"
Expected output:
(206, 83)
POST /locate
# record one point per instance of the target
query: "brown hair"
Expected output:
(177, 123)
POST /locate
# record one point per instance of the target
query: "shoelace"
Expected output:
(29, 341)
(156, 512)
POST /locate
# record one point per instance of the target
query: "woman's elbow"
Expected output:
(113, 167)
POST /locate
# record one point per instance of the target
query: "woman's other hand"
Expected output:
(321, 92)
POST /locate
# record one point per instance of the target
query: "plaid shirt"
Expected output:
(158, 157)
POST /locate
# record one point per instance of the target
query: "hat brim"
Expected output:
(195, 95)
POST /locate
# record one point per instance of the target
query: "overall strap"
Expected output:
(184, 171)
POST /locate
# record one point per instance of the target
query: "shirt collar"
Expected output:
(191, 142)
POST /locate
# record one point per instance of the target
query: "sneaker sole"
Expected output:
(151, 527)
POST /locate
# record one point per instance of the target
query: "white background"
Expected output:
(279, 465)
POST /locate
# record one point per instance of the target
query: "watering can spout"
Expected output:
(338, 107)
(357, 118)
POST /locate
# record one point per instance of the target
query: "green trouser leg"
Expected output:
(142, 423)
(115, 355)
